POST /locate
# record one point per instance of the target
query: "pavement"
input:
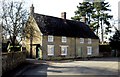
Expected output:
(100, 67)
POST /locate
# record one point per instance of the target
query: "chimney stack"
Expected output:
(83, 19)
(32, 10)
(63, 15)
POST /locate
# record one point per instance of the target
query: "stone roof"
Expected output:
(55, 26)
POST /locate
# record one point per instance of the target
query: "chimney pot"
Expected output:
(32, 10)
(63, 15)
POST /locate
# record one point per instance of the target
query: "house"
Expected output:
(60, 37)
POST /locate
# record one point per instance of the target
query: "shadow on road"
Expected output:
(39, 68)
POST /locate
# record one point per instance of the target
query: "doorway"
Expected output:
(38, 51)
(79, 52)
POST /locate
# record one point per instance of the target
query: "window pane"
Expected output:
(81, 40)
(89, 41)
(89, 50)
(64, 39)
(50, 49)
(50, 38)
(63, 50)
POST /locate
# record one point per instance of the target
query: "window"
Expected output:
(64, 50)
(50, 50)
(81, 40)
(89, 50)
(89, 41)
(50, 38)
(64, 39)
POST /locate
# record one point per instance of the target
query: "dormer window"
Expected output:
(64, 39)
(81, 40)
(89, 41)
(50, 38)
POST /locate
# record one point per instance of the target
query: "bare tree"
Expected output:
(14, 17)
(30, 32)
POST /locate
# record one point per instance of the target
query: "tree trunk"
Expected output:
(13, 42)
(97, 27)
(31, 46)
(102, 38)
(98, 13)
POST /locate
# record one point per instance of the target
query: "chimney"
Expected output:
(83, 19)
(32, 10)
(63, 15)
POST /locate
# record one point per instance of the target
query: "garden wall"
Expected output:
(11, 60)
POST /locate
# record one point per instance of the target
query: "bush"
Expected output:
(105, 50)
(16, 48)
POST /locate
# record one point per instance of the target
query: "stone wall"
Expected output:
(73, 48)
(12, 60)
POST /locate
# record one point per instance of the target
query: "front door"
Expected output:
(38, 52)
(79, 52)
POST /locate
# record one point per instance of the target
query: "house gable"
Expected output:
(36, 32)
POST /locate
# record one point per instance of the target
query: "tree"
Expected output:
(96, 15)
(115, 41)
(14, 17)
(29, 32)
(102, 17)
(85, 9)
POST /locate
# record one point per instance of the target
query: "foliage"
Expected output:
(102, 17)
(105, 50)
(15, 48)
(96, 16)
(115, 40)
(85, 9)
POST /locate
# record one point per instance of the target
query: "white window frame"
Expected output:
(48, 50)
(89, 50)
(65, 51)
(50, 38)
(89, 40)
(64, 39)
(81, 40)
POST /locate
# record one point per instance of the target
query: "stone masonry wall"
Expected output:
(12, 60)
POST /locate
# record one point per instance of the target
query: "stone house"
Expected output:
(60, 37)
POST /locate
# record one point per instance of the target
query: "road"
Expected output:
(71, 68)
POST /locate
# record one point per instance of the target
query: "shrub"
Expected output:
(16, 48)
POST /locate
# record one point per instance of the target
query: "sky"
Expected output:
(55, 7)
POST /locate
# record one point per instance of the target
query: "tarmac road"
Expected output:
(97, 67)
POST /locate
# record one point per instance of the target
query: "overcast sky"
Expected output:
(55, 7)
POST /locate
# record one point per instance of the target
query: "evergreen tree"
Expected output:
(84, 10)
(115, 41)
(102, 17)
(96, 16)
